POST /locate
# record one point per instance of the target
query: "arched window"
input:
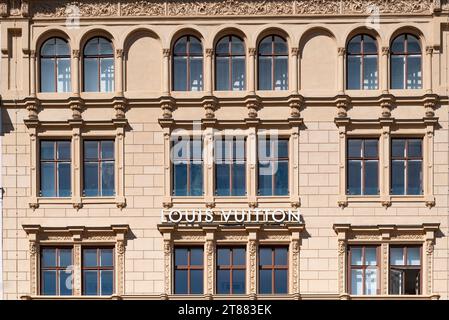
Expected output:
(273, 64)
(188, 64)
(362, 63)
(55, 66)
(230, 64)
(98, 65)
(406, 63)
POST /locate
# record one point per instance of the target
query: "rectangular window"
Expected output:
(230, 167)
(273, 167)
(363, 167)
(55, 169)
(98, 271)
(99, 168)
(189, 270)
(56, 271)
(273, 270)
(405, 270)
(231, 266)
(187, 173)
(363, 270)
(406, 167)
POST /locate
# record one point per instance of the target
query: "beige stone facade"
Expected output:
(317, 114)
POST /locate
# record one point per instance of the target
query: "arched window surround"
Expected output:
(189, 61)
(408, 73)
(362, 62)
(57, 64)
(272, 64)
(232, 61)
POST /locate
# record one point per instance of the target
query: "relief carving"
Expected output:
(142, 8)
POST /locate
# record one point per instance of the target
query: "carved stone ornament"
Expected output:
(167, 109)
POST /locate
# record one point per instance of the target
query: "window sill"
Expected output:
(387, 201)
(245, 201)
(77, 203)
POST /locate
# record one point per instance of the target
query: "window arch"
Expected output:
(188, 64)
(406, 62)
(361, 63)
(55, 66)
(98, 64)
(230, 64)
(273, 63)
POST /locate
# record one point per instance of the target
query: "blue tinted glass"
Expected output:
(180, 47)
(48, 257)
(91, 47)
(107, 150)
(90, 257)
(181, 257)
(91, 75)
(107, 281)
(371, 148)
(196, 74)
(353, 77)
(47, 175)
(354, 148)
(282, 146)
(280, 45)
(265, 46)
(49, 283)
(265, 179)
(91, 179)
(64, 179)
(281, 73)
(281, 178)
(106, 257)
(237, 46)
(196, 256)
(414, 80)
(106, 75)
(397, 177)
(369, 45)
(354, 177)
(265, 281)
(223, 256)
(371, 177)
(62, 47)
(49, 47)
(238, 256)
(196, 281)
(105, 46)
(179, 73)
(265, 256)
(398, 44)
(238, 73)
(48, 75)
(223, 282)
(91, 150)
(47, 150)
(90, 282)
(63, 150)
(65, 257)
(65, 283)
(239, 180)
(222, 73)
(222, 47)
(281, 256)
(398, 148)
(223, 181)
(196, 180)
(370, 73)
(238, 281)
(397, 72)
(414, 148)
(180, 179)
(181, 282)
(414, 177)
(265, 74)
(280, 281)
(413, 45)
(107, 178)
(64, 75)
(413, 256)
(355, 45)
(195, 46)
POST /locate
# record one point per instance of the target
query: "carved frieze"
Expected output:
(142, 8)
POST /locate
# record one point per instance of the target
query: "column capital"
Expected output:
(119, 53)
(385, 51)
(166, 52)
(429, 50)
(341, 51)
(295, 51)
(252, 51)
(209, 52)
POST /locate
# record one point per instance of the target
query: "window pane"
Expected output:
(91, 75)
(265, 281)
(281, 178)
(196, 256)
(91, 47)
(414, 72)
(413, 45)
(90, 282)
(237, 46)
(370, 73)
(107, 149)
(106, 257)
(181, 257)
(371, 148)
(107, 178)
(180, 180)
(180, 74)
(90, 257)
(369, 44)
(396, 281)
(107, 282)
(282, 150)
(63, 150)
(356, 256)
(49, 283)
(355, 148)
(265, 179)
(280, 281)
(65, 283)
(414, 148)
(222, 73)
(105, 46)
(265, 256)
(64, 182)
(91, 150)
(355, 45)
(356, 281)
(62, 47)
(398, 148)
(91, 179)
(371, 177)
(280, 46)
(238, 281)
(223, 256)
(239, 256)
(180, 47)
(196, 74)
(397, 72)
(196, 281)
(222, 176)
(49, 47)
(397, 256)
(413, 256)
(238, 73)
(370, 256)
(239, 180)
(354, 65)
(195, 46)
(223, 282)
(264, 73)
(64, 75)
(414, 177)
(281, 73)
(107, 75)
(48, 188)
(47, 150)
(371, 281)
(265, 46)
(397, 177)
(48, 75)
(280, 256)
(354, 177)
(196, 179)
(181, 282)
(48, 257)
(222, 47)
(412, 281)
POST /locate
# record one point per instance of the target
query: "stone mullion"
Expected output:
(34, 168)
(76, 167)
(167, 166)
(384, 166)
(251, 256)
(341, 71)
(428, 71)
(294, 167)
(168, 263)
(428, 166)
(384, 70)
(119, 72)
(209, 263)
(208, 81)
(166, 72)
(252, 166)
(75, 72)
(119, 167)
(251, 71)
(34, 267)
(33, 73)
(77, 273)
(385, 248)
(208, 165)
(342, 202)
(294, 70)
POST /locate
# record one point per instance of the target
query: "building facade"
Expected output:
(225, 149)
